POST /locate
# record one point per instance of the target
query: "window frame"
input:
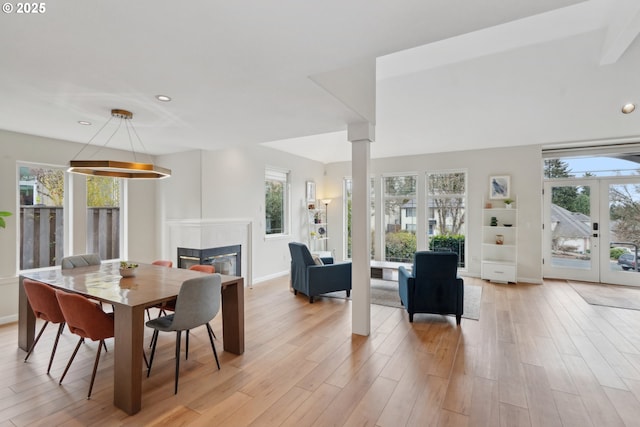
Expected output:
(383, 205)
(120, 205)
(465, 200)
(66, 231)
(283, 176)
(347, 198)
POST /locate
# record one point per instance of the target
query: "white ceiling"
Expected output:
(451, 74)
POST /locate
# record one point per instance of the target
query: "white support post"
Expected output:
(360, 135)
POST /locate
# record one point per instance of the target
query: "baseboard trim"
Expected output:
(8, 319)
(270, 276)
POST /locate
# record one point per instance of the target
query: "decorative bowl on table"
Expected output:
(128, 269)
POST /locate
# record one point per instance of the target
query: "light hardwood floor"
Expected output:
(538, 356)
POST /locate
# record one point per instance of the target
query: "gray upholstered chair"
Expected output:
(433, 285)
(84, 260)
(312, 279)
(197, 304)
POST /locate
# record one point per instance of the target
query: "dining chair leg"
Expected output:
(186, 353)
(95, 369)
(55, 346)
(36, 340)
(80, 341)
(213, 346)
(154, 339)
(178, 336)
(144, 357)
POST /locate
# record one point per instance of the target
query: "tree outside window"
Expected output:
(400, 235)
(571, 198)
(446, 198)
(624, 212)
(103, 216)
(276, 202)
(41, 192)
(348, 191)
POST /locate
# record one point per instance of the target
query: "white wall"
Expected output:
(231, 187)
(523, 164)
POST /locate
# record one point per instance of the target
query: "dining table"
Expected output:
(130, 297)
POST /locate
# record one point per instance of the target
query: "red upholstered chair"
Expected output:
(203, 268)
(163, 263)
(44, 304)
(87, 320)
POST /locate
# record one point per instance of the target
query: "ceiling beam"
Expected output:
(624, 26)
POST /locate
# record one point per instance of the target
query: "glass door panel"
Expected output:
(571, 235)
(621, 209)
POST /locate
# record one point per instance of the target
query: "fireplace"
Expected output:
(226, 259)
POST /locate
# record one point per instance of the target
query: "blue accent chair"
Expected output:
(433, 285)
(311, 279)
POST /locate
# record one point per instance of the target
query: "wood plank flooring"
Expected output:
(538, 356)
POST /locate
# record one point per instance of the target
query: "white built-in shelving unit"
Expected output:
(317, 230)
(499, 255)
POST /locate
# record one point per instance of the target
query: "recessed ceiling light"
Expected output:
(84, 123)
(628, 108)
(163, 98)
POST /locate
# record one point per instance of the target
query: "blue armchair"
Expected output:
(312, 279)
(433, 285)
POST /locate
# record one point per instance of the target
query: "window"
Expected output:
(446, 198)
(103, 216)
(41, 192)
(276, 192)
(399, 217)
(348, 197)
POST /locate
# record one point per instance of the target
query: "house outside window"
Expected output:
(276, 202)
(408, 216)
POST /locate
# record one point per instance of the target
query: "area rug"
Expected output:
(609, 295)
(385, 292)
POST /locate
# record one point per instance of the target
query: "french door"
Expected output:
(583, 220)
(620, 210)
(571, 247)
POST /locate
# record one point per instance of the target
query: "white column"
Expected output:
(360, 135)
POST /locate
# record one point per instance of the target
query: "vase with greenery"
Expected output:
(507, 203)
(2, 223)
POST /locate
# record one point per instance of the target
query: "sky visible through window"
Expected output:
(602, 166)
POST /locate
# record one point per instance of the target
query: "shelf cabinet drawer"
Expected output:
(498, 272)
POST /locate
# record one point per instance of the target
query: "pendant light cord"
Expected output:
(92, 138)
(130, 129)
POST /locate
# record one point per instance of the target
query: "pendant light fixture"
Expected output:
(117, 168)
